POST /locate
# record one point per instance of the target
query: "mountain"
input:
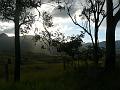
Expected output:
(117, 43)
(27, 44)
(103, 45)
(3, 35)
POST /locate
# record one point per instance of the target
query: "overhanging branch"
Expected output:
(117, 16)
(76, 23)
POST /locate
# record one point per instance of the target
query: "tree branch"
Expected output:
(102, 6)
(75, 22)
(25, 22)
(117, 16)
(101, 21)
(116, 6)
(8, 18)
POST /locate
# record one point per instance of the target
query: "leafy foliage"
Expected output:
(88, 53)
(27, 18)
(7, 8)
(71, 46)
(47, 19)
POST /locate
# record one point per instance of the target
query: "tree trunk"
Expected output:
(17, 43)
(110, 38)
(110, 48)
(96, 43)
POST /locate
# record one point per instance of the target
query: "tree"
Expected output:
(87, 53)
(70, 47)
(44, 34)
(91, 13)
(112, 21)
(15, 10)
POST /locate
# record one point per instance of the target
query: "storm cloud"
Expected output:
(75, 6)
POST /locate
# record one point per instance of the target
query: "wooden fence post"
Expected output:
(6, 73)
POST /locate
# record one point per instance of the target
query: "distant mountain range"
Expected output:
(28, 45)
(103, 44)
(117, 43)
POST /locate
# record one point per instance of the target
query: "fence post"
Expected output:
(6, 74)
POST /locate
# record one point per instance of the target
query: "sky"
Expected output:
(62, 22)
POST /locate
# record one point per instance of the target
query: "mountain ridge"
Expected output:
(28, 45)
(103, 45)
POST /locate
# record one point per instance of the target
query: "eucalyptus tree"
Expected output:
(93, 14)
(112, 12)
(16, 11)
(43, 34)
(111, 20)
(69, 46)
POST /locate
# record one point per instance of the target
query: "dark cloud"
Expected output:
(9, 31)
(59, 13)
(75, 5)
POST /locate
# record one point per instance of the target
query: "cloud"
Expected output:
(66, 26)
(75, 5)
(7, 27)
(9, 31)
(117, 33)
(59, 13)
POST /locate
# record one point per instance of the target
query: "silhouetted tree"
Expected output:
(87, 53)
(45, 35)
(93, 13)
(112, 21)
(15, 10)
(95, 7)
(69, 46)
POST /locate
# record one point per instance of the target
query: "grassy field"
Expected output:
(40, 73)
(47, 73)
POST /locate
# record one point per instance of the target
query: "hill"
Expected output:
(27, 44)
(103, 45)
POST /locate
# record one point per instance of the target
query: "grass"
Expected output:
(40, 75)
(41, 71)
(68, 81)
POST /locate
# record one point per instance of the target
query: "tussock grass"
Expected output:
(39, 75)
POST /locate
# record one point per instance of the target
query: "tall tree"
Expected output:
(17, 42)
(94, 14)
(112, 21)
(18, 11)
(15, 10)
